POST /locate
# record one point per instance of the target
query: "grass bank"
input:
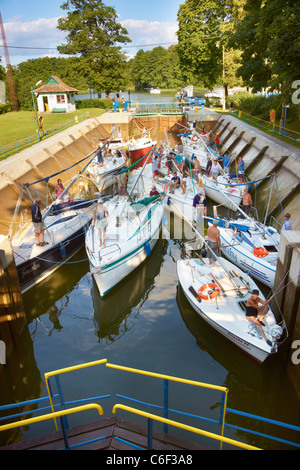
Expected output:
(19, 125)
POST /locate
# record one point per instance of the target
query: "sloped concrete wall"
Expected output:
(264, 155)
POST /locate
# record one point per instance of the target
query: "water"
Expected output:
(141, 97)
(145, 323)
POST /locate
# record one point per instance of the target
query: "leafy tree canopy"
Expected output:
(93, 34)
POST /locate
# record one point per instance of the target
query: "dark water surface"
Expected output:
(146, 323)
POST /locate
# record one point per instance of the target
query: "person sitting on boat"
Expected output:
(247, 201)
(185, 174)
(59, 188)
(208, 166)
(100, 216)
(213, 242)
(216, 169)
(175, 182)
(200, 197)
(255, 313)
(287, 223)
(154, 192)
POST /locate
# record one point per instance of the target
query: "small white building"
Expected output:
(55, 96)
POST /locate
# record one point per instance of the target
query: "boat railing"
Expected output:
(57, 400)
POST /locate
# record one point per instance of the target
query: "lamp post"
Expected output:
(36, 119)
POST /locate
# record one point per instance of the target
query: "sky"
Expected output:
(30, 26)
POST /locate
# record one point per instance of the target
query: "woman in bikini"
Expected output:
(100, 215)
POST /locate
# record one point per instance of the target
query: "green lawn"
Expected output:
(19, 125)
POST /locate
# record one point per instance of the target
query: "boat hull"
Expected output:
(258, 354)
(112, 274)
(225, 310)
(137, 154)
(246, 261)
(38, 268)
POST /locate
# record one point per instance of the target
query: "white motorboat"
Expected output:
(104, 175)
(155, 91)
(218, 294)
(252, 246)
(132, 231)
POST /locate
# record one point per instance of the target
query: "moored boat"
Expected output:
(218, 294)
(132, 232)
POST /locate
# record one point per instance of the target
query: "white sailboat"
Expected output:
(218, 294)
(65, 224)
(251, 246)
(133, 229)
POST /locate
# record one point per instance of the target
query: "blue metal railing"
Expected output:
(165, 410)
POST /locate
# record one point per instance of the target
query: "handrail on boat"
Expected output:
(185, 427)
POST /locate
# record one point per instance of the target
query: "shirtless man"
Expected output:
(247, 201)
(197, 168)
(214, 242)
(255, 313)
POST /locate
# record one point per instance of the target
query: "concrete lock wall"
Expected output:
(264, 155)
(287, 283)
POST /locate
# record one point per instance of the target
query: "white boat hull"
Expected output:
(128, 243)
(225, 313)
(258, 268)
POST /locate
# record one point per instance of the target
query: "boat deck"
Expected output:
(111, 429)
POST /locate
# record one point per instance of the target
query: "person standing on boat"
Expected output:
(37, 222)
(185, 174)
(226, 161)
(100, 217)
(200, 197)
(217, 142)
(170, 162)
(214, 242)
(208, 166)
(287, 223)
(197, 168)
(247, 201)
(154, 168)
(216, 169)
(255, 313)
(59, 188)
(241, 170)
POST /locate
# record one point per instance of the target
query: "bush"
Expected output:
(5, 108)
(97, 103)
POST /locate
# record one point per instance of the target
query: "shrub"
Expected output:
(96, 103)
(5, 108)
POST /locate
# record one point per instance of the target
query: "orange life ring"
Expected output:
(260, 252)
(208, 296)
(195, 138)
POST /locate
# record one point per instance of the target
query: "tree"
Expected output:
(199, 35)
(269, 37)
(93, 35)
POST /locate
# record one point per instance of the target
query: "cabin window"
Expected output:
(60, 98)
